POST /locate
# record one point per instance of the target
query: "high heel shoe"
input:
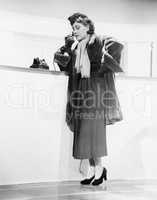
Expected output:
(87, 181)
(100, 180)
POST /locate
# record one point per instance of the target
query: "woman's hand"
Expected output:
(62, 58)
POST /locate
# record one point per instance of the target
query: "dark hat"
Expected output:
(75, 16)
(81, 18)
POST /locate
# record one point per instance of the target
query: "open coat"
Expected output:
(104, 55)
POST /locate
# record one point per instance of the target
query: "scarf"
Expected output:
(82, 63)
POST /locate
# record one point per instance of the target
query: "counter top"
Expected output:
(31, 70)
(52, 72)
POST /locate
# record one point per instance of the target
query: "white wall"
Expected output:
(132, 143)
(119, 11)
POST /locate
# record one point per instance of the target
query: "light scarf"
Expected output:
(82, 63)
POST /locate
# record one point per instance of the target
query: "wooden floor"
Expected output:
(111, 190)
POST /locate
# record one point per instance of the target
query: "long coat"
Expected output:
(104, 54)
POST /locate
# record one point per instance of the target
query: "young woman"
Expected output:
(90, 61)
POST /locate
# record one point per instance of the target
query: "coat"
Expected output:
(104, 54)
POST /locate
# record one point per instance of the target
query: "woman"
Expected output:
(90, 61)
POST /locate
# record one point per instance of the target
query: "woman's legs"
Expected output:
(91, 169)
(95, 167)
(98, 167)
(98, 161)
(92, 162)
(90, 173)
(95, 172)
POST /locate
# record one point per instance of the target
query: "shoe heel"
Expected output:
(102, 179)
(105, 175)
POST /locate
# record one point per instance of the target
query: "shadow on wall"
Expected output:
(137, 158)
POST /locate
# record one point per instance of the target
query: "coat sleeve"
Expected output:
(111, 56)
(62, 57)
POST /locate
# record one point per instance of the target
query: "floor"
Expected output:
(72, 190)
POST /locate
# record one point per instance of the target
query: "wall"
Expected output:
(119, 11)
(132, 143)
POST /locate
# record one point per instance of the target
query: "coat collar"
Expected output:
(91, 41)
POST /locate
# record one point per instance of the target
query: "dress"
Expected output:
(89, 128)
(92, 103)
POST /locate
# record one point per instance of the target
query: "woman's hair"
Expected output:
(83, 19)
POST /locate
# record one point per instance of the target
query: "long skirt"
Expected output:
(88, 114)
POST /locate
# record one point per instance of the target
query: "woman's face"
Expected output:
(80, 31)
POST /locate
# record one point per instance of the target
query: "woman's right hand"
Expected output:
(62, 58)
